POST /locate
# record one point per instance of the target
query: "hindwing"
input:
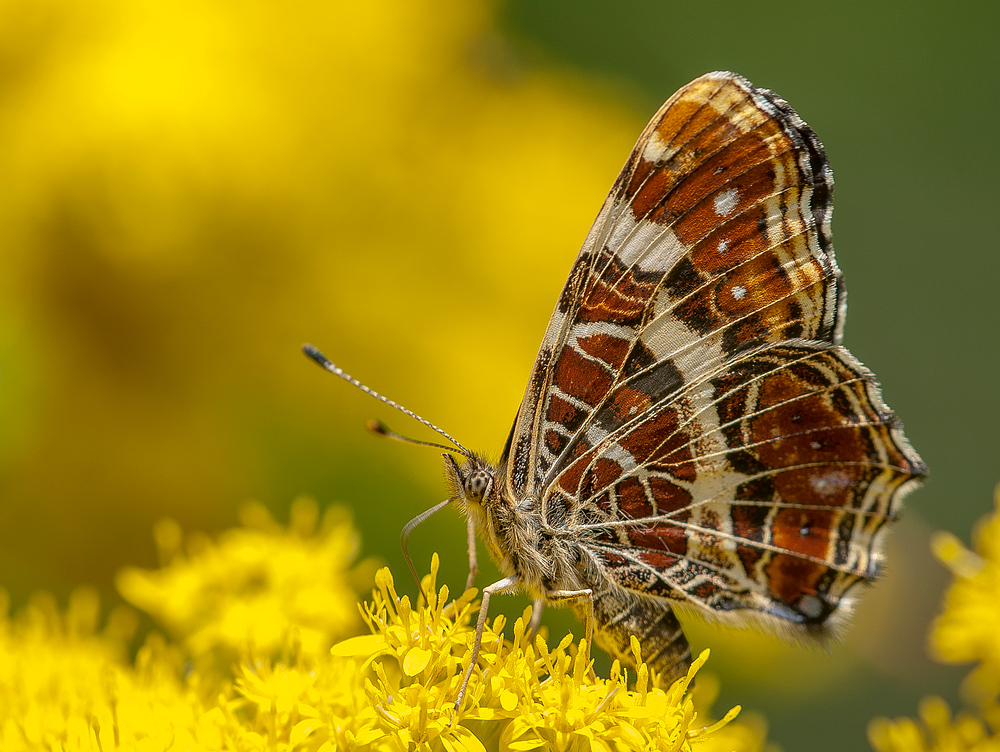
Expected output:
(758, 491)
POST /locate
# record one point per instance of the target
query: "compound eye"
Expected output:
(477, 483)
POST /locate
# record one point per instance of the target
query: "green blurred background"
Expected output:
(190, 190)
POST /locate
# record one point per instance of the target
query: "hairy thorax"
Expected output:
(519, 540)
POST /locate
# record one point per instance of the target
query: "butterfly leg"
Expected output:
(505, 585)
(473, 567)
(536, 617)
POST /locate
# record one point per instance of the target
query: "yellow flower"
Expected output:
(967, 630)
(938, 732)
(523, 693)
(258, 583)
(311, 703)
(66, 686)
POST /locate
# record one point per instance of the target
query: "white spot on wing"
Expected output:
(614, 452)
(829, 483)
(655, 148)
(595, 435)
(726, 201)
(739, 292)
(723, 245)
(645, 245)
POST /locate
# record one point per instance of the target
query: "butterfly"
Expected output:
(693, 434)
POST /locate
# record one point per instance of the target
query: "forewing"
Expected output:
(759, 490)
(713, 241)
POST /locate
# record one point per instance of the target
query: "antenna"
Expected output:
(377, 427)
(380, 428)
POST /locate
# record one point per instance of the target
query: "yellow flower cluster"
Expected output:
(64, 686)
(967, 631)
(256, 583)
(937, 731)
(969, 628)
(275, 600)
(528, 696)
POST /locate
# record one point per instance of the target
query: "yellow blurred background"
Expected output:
(190, 190)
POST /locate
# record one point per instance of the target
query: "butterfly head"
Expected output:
(478, 483)
(473, 480)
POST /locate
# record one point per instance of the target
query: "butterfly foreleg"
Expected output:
(470, 524)
(505, 585)
(537, 606)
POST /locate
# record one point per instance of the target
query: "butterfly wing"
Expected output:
(691, 418)
(714, 238)
(758, 492)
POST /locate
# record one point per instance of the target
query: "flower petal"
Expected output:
(415, 661)
(365, 645)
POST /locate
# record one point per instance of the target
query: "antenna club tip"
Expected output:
(377, 426)
(314, 354)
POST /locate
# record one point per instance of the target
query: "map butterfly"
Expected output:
(692, 433)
